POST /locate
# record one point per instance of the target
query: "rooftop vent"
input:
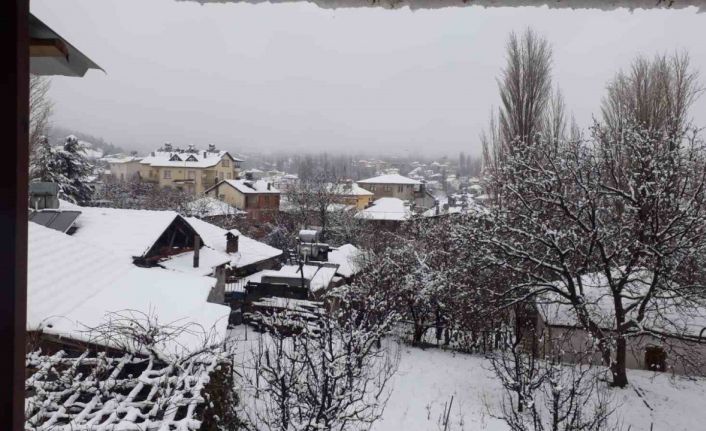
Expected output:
(167, 146)
(212, 148)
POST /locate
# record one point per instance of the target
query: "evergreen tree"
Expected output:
(44, 164)
(66, 166)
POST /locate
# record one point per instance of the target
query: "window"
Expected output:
(222, 197)
(220, 175)
(192, 175)
(388, 188)
(167, 174)
(400, 188)
(226, 162)
(229, 175)
(372, 188)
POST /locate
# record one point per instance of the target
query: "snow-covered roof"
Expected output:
(209, 259)
(186, 159)
(663, 314)
(250, 186)
(346, 256)
(386, 209)
(115, 160)
(73, 284)
(463, 204)
(390, 179)
(211, 207)
(129, 233)
(249, 252)
(319, 276)
(349, 189)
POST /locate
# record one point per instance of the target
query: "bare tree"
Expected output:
(525, 87)
(576, 227)
(549, 396)
(319, 372)
(527, 108)
(656, 94)
(40, 108)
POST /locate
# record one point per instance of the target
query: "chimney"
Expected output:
(167, 146)
(269, 186)
(205, 154)
(231, 243)
(197, 249)
(212, 148)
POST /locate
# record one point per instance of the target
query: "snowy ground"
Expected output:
(427, 379)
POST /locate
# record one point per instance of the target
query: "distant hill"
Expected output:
(93, 144)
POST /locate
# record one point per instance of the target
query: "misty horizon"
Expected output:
(294, 78)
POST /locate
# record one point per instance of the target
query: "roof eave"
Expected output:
(50, 54)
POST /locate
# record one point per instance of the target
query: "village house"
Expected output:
(351, 194)
(259, 199)
(399, 187)
(673, 337)
(73, 284)
(149, 239)
(388, 213)
(191, 170)
(246, 255)
(125, 168)
(80, 297)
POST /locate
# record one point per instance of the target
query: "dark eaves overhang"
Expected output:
(436, 4)
(50, 54)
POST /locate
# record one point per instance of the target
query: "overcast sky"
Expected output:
(293, 76)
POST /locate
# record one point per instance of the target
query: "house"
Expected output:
(73, 285)
(246, 255)
(151, 239)
(213, 210)
(80, 297)
(259, 199)
(122, 168)
(349, 260)
(458, 203)
(351, 194)
(673, 336)
(386, 212)
(400, 187)
(191, 170)
(312, 278)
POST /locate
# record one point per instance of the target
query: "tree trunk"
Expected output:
(418, 333)
(618, 368)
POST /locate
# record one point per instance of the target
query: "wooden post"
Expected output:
(197, 249)
(14, 122)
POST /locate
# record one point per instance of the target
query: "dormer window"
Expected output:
(192, 158)
(175, 158)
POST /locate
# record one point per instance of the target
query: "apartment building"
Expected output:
(191, 170)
